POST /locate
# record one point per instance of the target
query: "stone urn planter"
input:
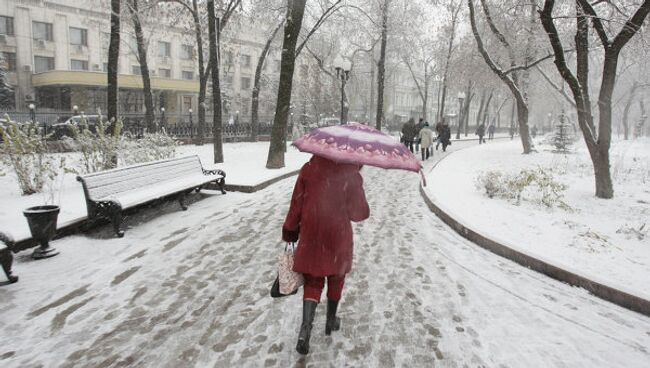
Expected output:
(42, 224)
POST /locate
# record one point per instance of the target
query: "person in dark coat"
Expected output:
(445, 136)
(326, 198)
(408, 133)
(480, 131)
(491, 129)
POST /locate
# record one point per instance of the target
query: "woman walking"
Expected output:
(326, 198)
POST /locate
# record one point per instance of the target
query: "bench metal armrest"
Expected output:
(214, 172)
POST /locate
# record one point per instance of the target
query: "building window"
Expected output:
(188, 75)
(78, 64)
(228, 79)
(43, 64)
(246, 60)
(187, 52)
(228, 58)
(165, 73)
(42, 31)
(78, 36)
(9, 61)
(135, 70)
(164, 49)
(187, 103)
(6, 25)
(245, 83)
(105, 68)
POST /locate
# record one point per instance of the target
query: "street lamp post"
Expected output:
(342, 67)
(162, 118)
(461, 98)
(75, 110)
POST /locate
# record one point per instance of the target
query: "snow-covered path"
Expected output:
(191, 288)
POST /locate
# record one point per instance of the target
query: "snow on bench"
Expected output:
(109, 192)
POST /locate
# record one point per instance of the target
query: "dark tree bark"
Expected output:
(295, 13)
(144, 67)
(255, 99)
(598, 140)
(481, 106)
(113, 58)
(204, 73)
(381, 66)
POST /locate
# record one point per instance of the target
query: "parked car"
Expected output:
(64, 129)
(328, 122)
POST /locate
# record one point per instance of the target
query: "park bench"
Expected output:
(110, 192)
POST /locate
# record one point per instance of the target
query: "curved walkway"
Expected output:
(190, 289)
(602, 290)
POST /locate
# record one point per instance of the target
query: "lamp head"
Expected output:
(190, 110)
(31, 106)
(162, 109)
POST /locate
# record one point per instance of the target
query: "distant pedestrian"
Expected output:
(426, 139)
(408, 133)
(439, 129)
(491, 129)
(418, 128)
(445, 137)
(480, 131)
(512, 132)
(534, 131)
(327, 196)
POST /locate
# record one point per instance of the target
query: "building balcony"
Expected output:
(99, 79)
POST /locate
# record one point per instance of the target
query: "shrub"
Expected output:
(151, 147)
(24, 150)
(533, 185)
(99, 148)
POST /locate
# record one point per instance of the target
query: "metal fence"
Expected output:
(184, 127)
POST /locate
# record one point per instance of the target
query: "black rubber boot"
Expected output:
(333, 322)
(308, 311)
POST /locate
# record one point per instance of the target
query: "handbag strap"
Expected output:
(293, 246)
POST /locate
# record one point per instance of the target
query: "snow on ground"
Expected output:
(190, 289)
(594, 239)
(244, 165)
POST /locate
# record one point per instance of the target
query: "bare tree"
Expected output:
(598, 140)
(255, 98)
(290, 51)
(134, 10)
(113, 58)
(454, 10)
(381, 65)
(510, 76)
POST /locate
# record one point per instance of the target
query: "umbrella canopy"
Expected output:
(360, 144)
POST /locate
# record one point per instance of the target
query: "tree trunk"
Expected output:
(371, 110)
(522, 119)
(469, 96)
(295, 13)
(382, 66)
(203, 74)
(255, 99)
(425, 98)
(144, 68)
(345, 105)
(113, 59)
(486, 109)
(481, 106)
(213, 30)
(626, 111)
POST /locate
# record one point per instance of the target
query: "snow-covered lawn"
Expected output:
(605, 240)
(244, 165)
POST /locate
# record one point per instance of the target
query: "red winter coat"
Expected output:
(327, 196)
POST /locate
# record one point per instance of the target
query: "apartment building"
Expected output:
(56, 52)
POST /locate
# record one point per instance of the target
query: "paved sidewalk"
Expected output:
(186, 289)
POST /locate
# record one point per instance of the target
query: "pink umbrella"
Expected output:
(359, 144)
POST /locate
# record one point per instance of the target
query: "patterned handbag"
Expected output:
(287, 282)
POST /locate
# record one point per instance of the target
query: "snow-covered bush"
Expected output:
(99, 148)
(537, 186)
(151, 147)
(24, 150)
(640, 232)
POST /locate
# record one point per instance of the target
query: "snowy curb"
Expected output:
(259, 186)
(608, 293)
